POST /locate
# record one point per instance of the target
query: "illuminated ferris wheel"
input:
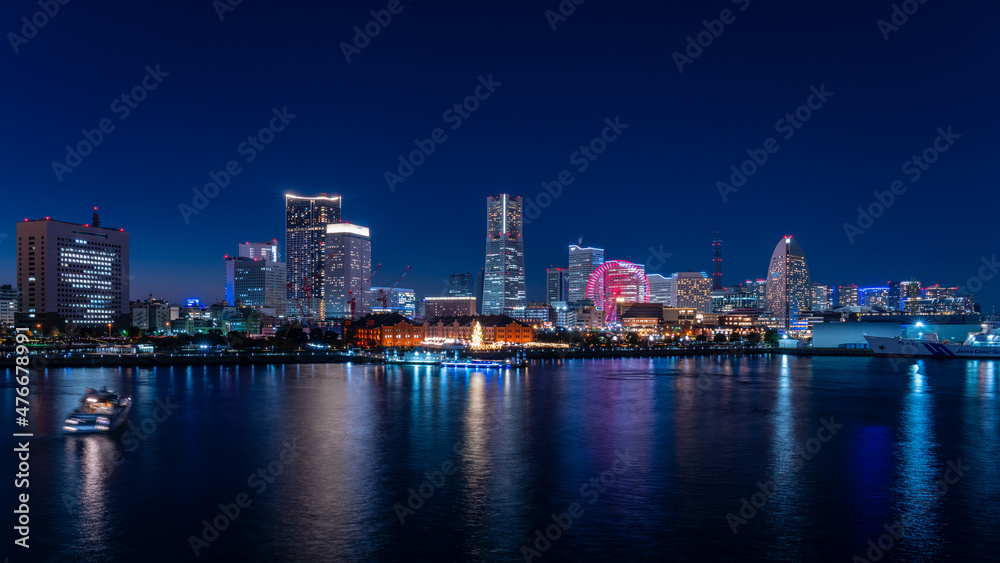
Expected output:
(617, 280)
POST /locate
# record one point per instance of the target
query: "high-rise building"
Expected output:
(461, 285)
(267, 250)
(660, 289)
(691, 290)
(822, 297)
(348, 271)
(71, 274)
(8, 306)
(480, 283)
(937, 292)
(504, 284)
(306, 219)
(555, 285)
(788, 284)
(717, 263)
(847, 296)
(582, 263)
(908, 290)
(256, 282)
(732, 298)
(874, 297)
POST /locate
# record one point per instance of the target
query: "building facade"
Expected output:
(256, 282)
(348, 271)
(449, 307)
(393, 300)
(306, 219)
(691, 290)
(504, 284)
(267, 250)
(555, 285)
(717, 263)
(461, 285)
(496, 328)
(660, 289)
(71, 274)
(386, 330)
(582, 263)
(8, 306)
(789, 290)
(822, 297)
(847, 296)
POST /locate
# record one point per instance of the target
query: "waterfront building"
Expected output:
(822, 297)
(736, 297)
(874, 297)
(306, 219)
(788, 284)
(348, 271)
(504, 285)
(496, 328)
(540, 315)
(387, 330)
(582, 263)
(151, 315)
(70, 274)
(565, 315)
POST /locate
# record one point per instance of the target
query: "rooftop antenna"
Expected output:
(97, 219)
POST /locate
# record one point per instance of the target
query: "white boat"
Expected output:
(984, 345)
(99, 412)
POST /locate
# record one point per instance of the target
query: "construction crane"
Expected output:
(352, 300)
(383, 295)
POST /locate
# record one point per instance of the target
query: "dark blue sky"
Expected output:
(654, 186)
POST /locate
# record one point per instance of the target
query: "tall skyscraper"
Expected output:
(256, 282)
(461, 285)
(504, 284)
(555, 285)
(582, 263)
(788, 286)
(348, 271)
(267, 250)
(71, 274)
(306, 219)
(717, 262)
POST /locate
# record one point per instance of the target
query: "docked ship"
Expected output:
(983, 345)
(99, 411)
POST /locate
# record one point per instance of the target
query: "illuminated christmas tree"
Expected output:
(477, 336)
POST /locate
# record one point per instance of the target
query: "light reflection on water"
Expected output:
(699, 434)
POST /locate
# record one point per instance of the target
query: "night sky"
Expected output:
(654, 187)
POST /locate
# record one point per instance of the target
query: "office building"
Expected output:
(8, 306)
(348, 271)
(565, 315)
(875, 297)
(555, 285)
(717, 263)
(256, 282)
(822, 297)
(461, 285)
(582, 263)
(504, 290)
(306, 219)
(660, 289)
(847, 296)
(71, 274)
(267, 250)
(449, 307)
(789, 290)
